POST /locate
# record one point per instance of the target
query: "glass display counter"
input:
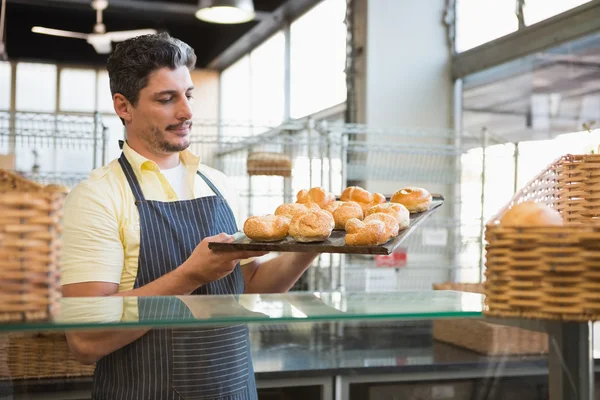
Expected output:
(341, 353)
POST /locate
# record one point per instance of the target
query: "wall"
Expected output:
(206, 112)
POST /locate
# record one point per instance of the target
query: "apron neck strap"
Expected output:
(131, 178)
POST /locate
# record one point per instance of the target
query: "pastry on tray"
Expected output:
(374, 230)
(290, 210)
(314, 226)
(316, 195)
(342, 211)
(413, 198)
(267, 228)
(364, 198)
(396, 210)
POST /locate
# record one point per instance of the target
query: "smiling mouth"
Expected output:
(180, 129)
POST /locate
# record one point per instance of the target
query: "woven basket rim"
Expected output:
(495, 219)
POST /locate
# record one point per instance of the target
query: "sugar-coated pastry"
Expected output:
(391, 224)
(56, 188)
(315, 195)
(530, 213)
(267, 228)
(290, 210)
(314, 226)
(364, 198)
(396, 210)
(376, 229)
(342, 211)
(359, 233)
(413, 198)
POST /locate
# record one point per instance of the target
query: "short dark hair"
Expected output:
(133, 60)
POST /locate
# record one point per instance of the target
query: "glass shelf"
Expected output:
(177, 311)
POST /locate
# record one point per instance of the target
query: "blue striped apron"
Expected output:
(179, 364)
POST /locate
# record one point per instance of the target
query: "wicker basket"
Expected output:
(35, 356)
(484, 337)
(29, 246)
(267, 163)
(549, 272)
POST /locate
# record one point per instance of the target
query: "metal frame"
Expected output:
(342, 382)
(562, 28)
(326, 384)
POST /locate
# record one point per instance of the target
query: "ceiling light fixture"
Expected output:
(226, 11)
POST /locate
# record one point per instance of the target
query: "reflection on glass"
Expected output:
(170, 311)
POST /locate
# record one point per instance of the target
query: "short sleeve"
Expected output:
(92, 248)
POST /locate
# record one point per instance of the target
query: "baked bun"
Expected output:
(315, 195)
(55, 188)
(342, 211)
(376, 230)
(314, 226)
(290, 210)
(364, 198)
(391, 224)
(530, 213)
(413, 198)
(396, 210)
(267, 228)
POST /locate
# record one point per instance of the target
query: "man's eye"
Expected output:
(164, 101)
(189, 97)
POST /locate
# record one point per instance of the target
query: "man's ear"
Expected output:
(123, 107)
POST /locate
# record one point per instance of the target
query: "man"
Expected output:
(141, 225)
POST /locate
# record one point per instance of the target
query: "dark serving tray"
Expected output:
(335, 243)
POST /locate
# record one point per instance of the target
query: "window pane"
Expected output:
(115, 132)
(104, 100)
(267, 69)
(5, 75)
(318, 56)
(36, 87)
(77, 90)
(538, 10)
(235, 99)
(481, 21)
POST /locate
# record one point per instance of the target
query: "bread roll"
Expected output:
(342, 211)
(360, 234)
(396, 210)
(413, 198)
(391, 224)
(530, 213)
(290, 210)
(364, 198)
(56, 188)
(315, 195)
(377, 230)
(314, 226)
(267, 228)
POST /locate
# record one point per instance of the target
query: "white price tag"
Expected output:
(434, 236)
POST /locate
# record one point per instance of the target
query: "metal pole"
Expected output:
(516, 178)
(456, 209)
(12, 123)
(484, 139)
(287, 76)
(570, 361)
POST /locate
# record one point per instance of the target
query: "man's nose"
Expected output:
(184, 111)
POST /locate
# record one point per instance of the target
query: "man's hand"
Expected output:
(205, 265)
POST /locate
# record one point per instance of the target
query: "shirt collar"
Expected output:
(139, 162)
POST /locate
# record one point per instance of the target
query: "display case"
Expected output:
(322, 345)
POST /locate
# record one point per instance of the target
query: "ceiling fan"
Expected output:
(99, 39)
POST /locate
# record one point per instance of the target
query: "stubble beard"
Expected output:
(157, 140)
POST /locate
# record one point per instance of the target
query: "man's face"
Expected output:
(162, 118)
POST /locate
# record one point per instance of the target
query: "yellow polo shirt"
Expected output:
(101, 223)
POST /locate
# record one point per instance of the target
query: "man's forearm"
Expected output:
(175, 283)
(89, 347)
(279, 274)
